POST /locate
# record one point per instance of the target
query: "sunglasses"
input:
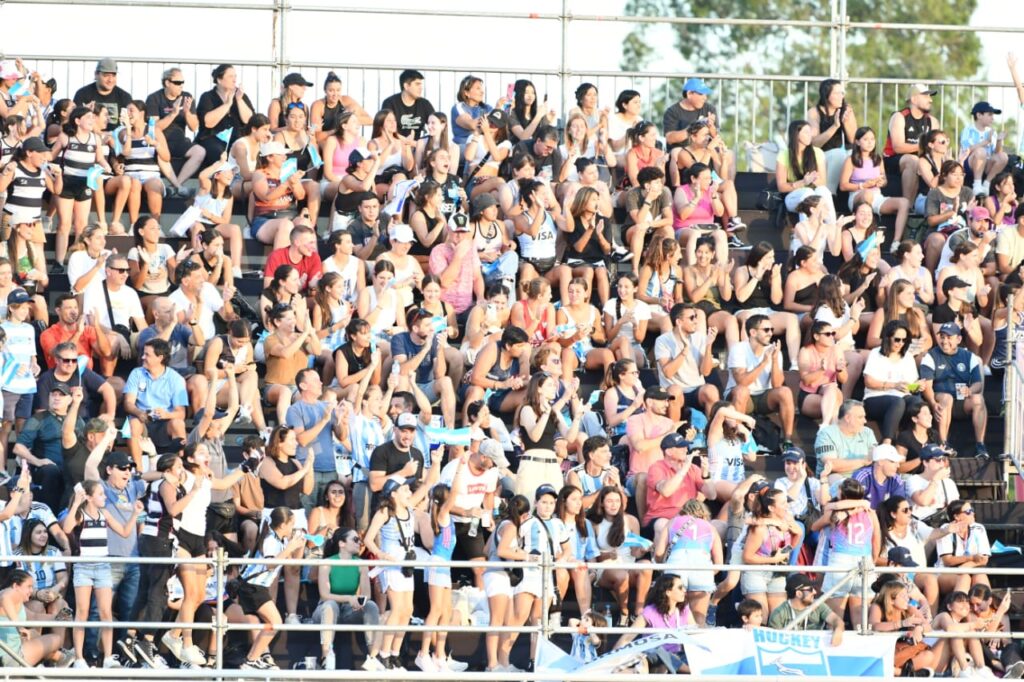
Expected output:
(832, 334)
(123, 271)
(767, 330)
(967, 511)
(898, 339)
(67, 360)
(903, 510)
(124, 467)
(691, 317)
(176, 82)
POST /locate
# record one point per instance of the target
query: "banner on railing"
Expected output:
(763, 651)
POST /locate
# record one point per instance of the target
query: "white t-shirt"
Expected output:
(954, 545)
(472, 488)
(742, 356)
(79, 263)
(917, 535)
(945, 493)
(825, 314)
(884, 369)
(154, 284)
(641, 311)
(124, 302)
(211, 301)
(798, 504)
(688, 376)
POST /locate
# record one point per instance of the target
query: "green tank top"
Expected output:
(344, 579)
(9, 635)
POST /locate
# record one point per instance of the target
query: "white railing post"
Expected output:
(866, 564)
(563, 65)
(844, 22)
(220, 624)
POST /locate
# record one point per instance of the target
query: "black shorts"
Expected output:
(252, 598)
(541, 265)
(691, 399)
(177, 144)
(75, 188)
(468, 548)
(194, 544)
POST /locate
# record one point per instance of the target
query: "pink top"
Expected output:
(674, 621)
(460, 293)
(339, 162)
(868, 171)
(703, 213)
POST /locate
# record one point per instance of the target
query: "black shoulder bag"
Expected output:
(119, 328)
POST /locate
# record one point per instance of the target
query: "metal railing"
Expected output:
(1013, 396)
(752, 107)
(220, 628)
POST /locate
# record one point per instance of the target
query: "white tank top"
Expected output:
(193, 517)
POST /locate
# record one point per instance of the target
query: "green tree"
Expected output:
(757, 111)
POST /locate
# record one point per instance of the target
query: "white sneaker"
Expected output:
(372, 664)
(244, 415)
(193, 654)
(978, 188)
(456, 666)
(327, 661)
(112, 661)
(173, 644)
(79, 663)
(1014, 671)
(293, 619)
(426, 663)
(985, 187)
(894, 247)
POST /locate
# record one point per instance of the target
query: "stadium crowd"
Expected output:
(437, 284)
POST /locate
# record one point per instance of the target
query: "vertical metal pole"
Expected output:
(833, 41)
(547, 569)
(865, 590)
(281, 60)
(563, 67)
(841, 73)
(220, 563)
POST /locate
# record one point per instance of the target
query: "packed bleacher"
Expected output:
(503, 333)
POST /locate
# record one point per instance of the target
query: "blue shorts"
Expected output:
(95, 575)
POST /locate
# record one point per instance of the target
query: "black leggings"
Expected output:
(151, 604)
(888, 411)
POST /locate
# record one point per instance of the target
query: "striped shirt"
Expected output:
(45, 573)
(78, 157)
(92, 537)
(158, 522)
(140, 161)
(366, 434)
(26, 191)
(265, 575)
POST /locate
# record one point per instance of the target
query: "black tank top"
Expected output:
(274, 497)
(806, 295)
(356, 363)
(762, 295)
(838, 139)
(922, 186)
(546, 440)
(331, 116)
(913, 130)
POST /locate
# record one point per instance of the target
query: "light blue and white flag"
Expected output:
(115, 135)
(289, 168)
(865, 247)
(314, 156)
(225, 136)
(92, 178)
(20, 89)
(448, 436)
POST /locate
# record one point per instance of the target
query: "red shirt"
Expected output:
(661, 507)
(58, 334)
(310, 268)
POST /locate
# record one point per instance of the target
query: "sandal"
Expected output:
(64, 614)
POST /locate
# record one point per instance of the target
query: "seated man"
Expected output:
(367, 227)
(881, 480)
(419, 353)
(155, 399)
(457, 264)
(182, 337)
(648, 212)
(757, 384)
(544, 150)
(801, 593)
(671, 481)
(846, 444)
(72, 325)
(906, 128)
(954, 387)
(100, 397)
(644, 431)
(39, 444)
(983, 147)
(684, 358)
(933, 489)
(175, 111)
(117, 307)
(300, 253)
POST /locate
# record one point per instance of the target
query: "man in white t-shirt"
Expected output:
(684, 358)
(932, 490)
(123, 303)
(757, 384)
(474, 501)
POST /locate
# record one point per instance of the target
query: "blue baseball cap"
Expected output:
(932, 451)
(696, 85)
(674, 440)
(793, 454)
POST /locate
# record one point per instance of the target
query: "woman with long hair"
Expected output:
(801, 288)
(611, 524)
(708, 284)
(406, 269)
(966, 547)
(1002, 200)
(331, 314)
(623, 396)
(438, 137)
(288, 349)
(216, 205)
(504, 545)
(275, 206)
(945, 210)
(48, 599)
(823, 375)
(29, 264)
(967, 657)
(284, 289)
(585, 330)
(687, 544)
(851, 534)
(78, 148)
(801, 171)
(284, 481)
(626, 116)
(527, 114)
(833, 124)
(770, 539)
(297, 140)
(346, 264)
(21, 366)
(245, 153)
(426, 219)
(486, 321)
(900, 307)
(142, 155)
(625, 320)
(151, 261)
(918, 432)
(899, 528)
(325, 112)
(589, 244)
(728, 431)
(534, 313)
(487, 148)
(757, 287)
(332, 512)
(394, 150)
(933, 151)
(582, 542)
(890, 380)
(666, 608)
(293, 89)
(544, 432)
(863, 176)
(341, 140)
(29, 646)
(891, 611)
(831, 306)
(812, 230)
(864, 225)
(642, 140)
(909, 266)
(696, 208)
(380, 306)
(661, 278)
(494, 247)
(703, 147)
(430, 287)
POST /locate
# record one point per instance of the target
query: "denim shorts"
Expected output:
(94, 575)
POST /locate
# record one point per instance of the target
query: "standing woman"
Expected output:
(216, 204)
(275, 209)
(852, 534)
(142, 154)
(327, 111)
(801, 171)
(88, 516)
(685, 545)
(245, 153)
(26, 179)
(541, 427)
(611, 523)
(708, 285)
(296, 140)
(390, 537)
(222, 108)
(78, 148)
(504, 545)
(770, 540)
(284, 481)
(833, 124)
(198, 482)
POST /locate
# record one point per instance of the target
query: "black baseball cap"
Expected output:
(795, 582)
(901, 557)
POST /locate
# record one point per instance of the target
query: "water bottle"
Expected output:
(608, 614)
(394, 367)
(474, 527)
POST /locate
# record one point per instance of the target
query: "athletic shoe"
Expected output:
(621, 254)
(244, 415)
(327, 661)
(978, 188)
(980, 451)
(193, 654)
(127, 647)
(258, 664)
(426, 663)
(396, 663)
(268, 660)
(186, 192)
(293, 619)
(1015, 671)
(146, 651)
(456, 666)
(735, 242)
(112, 661)
(736, 223)
(173, 644)
(80, 663)
(373, 664)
